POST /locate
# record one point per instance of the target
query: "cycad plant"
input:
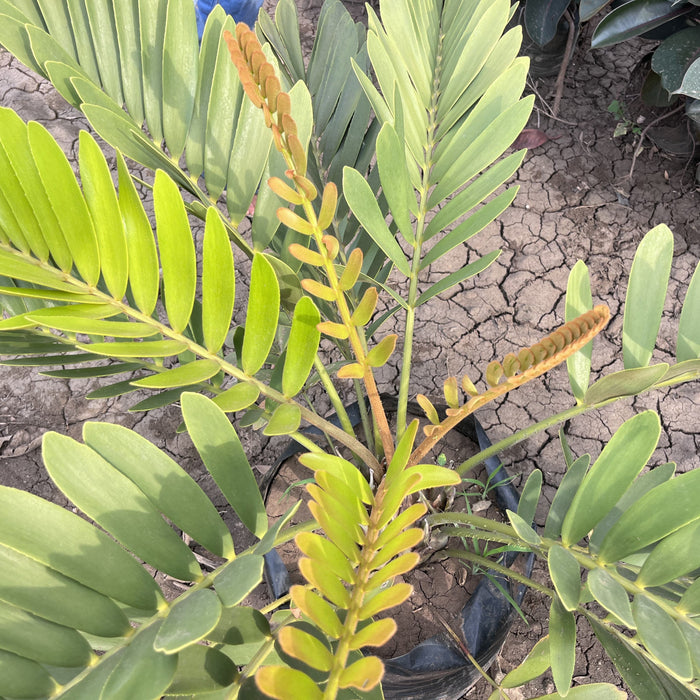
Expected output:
(371, 163)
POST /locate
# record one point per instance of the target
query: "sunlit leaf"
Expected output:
(143, 258)
(237, 397)
(218, 282)
(184, 375)
(282, 682)
(578, 301)
(177, 254)
(301, 346)
(612, 473)
(646, 293)
(284, 421)
(262, 315)
(386, 599)
(317, 609)
(688, 344)
(375, 634)
(106, 217)
(364, 206)
(363, 674)
(305, 647)
(67, 201)
(149, 348)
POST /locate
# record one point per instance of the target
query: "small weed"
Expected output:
(624, 124)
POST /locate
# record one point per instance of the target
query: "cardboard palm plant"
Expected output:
(90, 287)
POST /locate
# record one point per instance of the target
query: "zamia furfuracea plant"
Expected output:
(370, 164)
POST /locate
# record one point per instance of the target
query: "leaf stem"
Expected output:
(333, 395)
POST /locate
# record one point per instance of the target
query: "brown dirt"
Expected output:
(575, 201)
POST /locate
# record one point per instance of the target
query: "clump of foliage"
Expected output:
(674, 70)
(358, 179)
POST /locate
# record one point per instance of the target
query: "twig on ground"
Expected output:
(547, 109)
(568, 52)
(653, 122)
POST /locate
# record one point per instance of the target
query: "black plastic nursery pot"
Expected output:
(437, 668)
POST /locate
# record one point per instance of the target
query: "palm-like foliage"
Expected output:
(638, 558)
(69, 590)
(86, 279)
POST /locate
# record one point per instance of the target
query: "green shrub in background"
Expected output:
(89, 287)
(675, 65)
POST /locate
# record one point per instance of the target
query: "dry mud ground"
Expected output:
(575, 202)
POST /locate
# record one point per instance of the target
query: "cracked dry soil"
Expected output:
(575, 202)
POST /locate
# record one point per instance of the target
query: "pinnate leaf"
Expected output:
(218, 282)
(663, 510)
(305, 647)
(223, 455)
(141, 670)
(611, 595)
(301, 347)
(578, 301)
(536, 663)
(118, 505)
(169, 487)
(364, 674)
(285, 683)
(662, 637)
(238, 578)
(566, 576)
(189, 620)
(261, 319)
(48, 528)
(284, 421)
(562, 645)
(184, 375)
(646, 294)
(177, 253)
(317, 609)
(611, 475)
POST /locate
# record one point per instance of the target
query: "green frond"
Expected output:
(127, 65)
(84, 592)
